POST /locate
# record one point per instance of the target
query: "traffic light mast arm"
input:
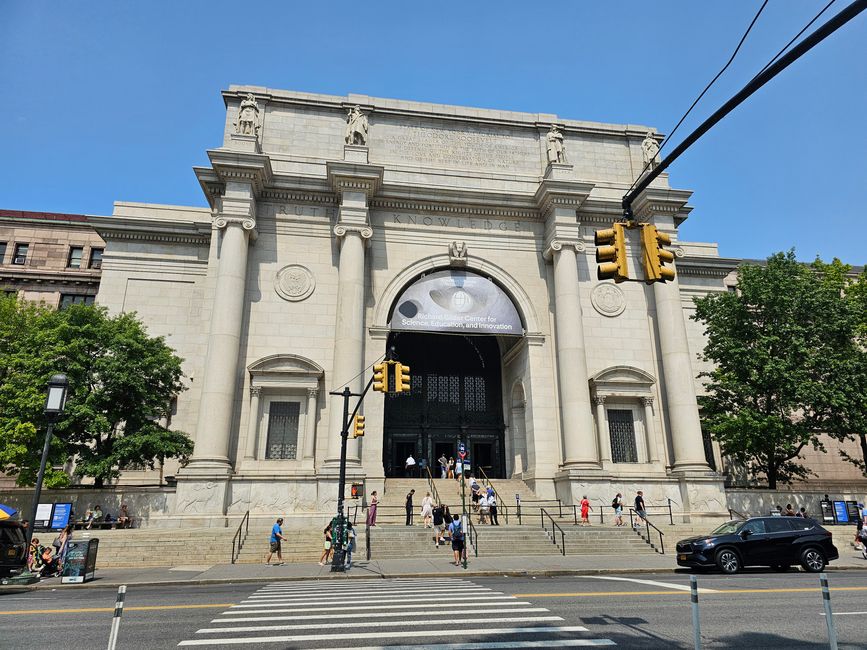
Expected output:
(757, 82)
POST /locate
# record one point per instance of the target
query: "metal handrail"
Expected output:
(559, 503)
(473, 536)
(554, 528)
(354, 516)
(501, 505)
(367, 539)
(575, 507)
(648, 526)
(433, 488)
(245, 525)
(733, 512)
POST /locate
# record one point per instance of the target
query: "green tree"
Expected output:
(121, 384)
(780, 345)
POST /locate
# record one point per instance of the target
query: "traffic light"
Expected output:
(380, 377)
(611, 253)
(401, 379)
(655, 256)
(358, 429)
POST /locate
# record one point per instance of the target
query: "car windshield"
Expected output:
(727, 528)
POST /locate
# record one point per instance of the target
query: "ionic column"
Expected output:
(253, 424)
(221, 364)
(601, 422)
(650, 430)
(310, 429)
(579, 441)
(679, 380)
(349, 333)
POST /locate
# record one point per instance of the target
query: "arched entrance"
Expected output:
(456, 395)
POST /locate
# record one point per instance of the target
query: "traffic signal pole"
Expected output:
(757, 82)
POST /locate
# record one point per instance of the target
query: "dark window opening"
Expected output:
(621, 428)
(95, 258)
(75, 255)
(283, 430)
(20, 256)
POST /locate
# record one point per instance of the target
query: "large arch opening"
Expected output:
(451, 327)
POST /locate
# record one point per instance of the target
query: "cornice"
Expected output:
(154, 230)
(236, 166)
(354, 177)
(559, 193)
(659, 201)
(294, 196)
(458, 207)
(50, 277)
(718, 267)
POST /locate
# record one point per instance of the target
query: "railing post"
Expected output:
(696, 622)
(670, 516)
(575, 513)
(560, 507)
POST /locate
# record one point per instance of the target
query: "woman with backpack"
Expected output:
(617, 504)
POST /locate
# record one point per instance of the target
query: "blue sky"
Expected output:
(105, 101)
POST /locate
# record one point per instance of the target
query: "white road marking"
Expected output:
(653, 583)
(415, 623)
(301, 595)
(384, 635)
(330, 608)
(845, 613)
(343, 615)
(500, 645)
(341, 599)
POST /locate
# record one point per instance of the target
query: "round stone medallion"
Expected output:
(294, 282)
(608, 299)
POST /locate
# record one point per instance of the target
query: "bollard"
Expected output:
(829, 617)
(115, 622)
(696, 623)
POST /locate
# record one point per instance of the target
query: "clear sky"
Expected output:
(105, 101)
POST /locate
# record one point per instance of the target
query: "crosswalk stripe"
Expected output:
(500, 645)
(416, 624)
(378, 635)
(341, 599)
(378, 592)
(330, 608)
(344, 615)
(349, 582)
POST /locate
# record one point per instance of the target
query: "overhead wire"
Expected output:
(795, 38)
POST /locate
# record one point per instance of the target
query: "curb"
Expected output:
(547, 573)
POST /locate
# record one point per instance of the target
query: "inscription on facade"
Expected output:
(461, 223)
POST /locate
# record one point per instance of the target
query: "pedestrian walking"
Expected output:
(475, 492)
(447, 520)
(427, 511)
(640, 510)
(457, 534)
(326, 553)
(617, 504)
(409, 466)
(585, 511)
(451, 467)
(484, 509)
(371, 509)
(275, 542)
(459, 469)
(438, 524)
(444, 466)
(492, 507)
(408, 506)
(350, 544)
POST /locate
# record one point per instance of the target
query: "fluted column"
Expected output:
(221, 363)
(579, 441)
(650, 430)
(253, 424)
(349, 333)
(601, 424)
(310, 429)
(679, 381)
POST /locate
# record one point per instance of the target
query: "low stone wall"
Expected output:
(143, 502)
(760, 502)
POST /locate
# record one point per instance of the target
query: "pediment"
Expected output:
(286, 364)
(624, 378)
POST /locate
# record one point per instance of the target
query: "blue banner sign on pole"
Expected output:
(841, 512)
(60, 516)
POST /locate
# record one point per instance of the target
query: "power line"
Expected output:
(796, 37)
(364, 370)
(706, 88)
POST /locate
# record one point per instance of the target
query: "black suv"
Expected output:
(777, 542)
(13, 544)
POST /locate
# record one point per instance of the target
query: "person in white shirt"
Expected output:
(409, 468)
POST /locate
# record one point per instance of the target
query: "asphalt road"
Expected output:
(756, 609)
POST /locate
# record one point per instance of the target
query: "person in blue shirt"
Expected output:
(457, 535)
(276, 538)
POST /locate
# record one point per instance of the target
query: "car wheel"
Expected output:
(728, 561)
(813, 560)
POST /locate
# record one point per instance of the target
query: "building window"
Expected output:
(67, 299)
(75, 255)
(95, 258)
(2, 251)
(20, 256)
(621, 428)
(282, 430)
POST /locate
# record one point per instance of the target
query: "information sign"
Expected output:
(80, 563)
(827, 512)
(60, 516)
(841, 512)
(43, 515)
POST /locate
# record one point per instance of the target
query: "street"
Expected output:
(755, 609)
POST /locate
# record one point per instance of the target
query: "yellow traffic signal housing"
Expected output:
(655, 256)
(402, 380)
(611, 253)
(380, 377)
(358, 429)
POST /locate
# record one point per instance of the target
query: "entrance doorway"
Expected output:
(456, 396)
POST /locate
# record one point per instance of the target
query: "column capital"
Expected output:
(556, 245)
(221, 221)
(647, 401)
(255, 391)
(599, 400)
(312, 393)
(343, 229)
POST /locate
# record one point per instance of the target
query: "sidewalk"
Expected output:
(408, 568)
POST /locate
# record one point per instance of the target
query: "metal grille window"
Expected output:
(621, 428)
(283, 430)
(475, 397)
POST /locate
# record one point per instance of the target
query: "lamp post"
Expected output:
(55, 400)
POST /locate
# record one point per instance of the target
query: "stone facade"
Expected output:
(49, 257)
(322, 210)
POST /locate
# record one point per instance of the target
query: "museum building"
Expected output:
(461, 240)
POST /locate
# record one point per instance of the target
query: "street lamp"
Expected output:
(55, 401)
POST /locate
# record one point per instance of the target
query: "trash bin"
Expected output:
(80, 563)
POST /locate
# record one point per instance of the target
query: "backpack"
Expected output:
(457, 531)
(614, 503)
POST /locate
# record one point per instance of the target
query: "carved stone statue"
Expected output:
(650, 151)
(556, 148)
(248, 117)
(357, 127)
(458, 252)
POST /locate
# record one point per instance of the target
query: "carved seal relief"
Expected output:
(294, 282)
(608, 299)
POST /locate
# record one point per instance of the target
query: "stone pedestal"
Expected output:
(245, 143)
(355, 153)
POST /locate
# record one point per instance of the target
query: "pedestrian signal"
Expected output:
(655, 256)
(358, 430)
(380, 377)
(402, 379)
(611, 253)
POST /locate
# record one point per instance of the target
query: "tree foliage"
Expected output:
(121, 382)
(785, 355)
